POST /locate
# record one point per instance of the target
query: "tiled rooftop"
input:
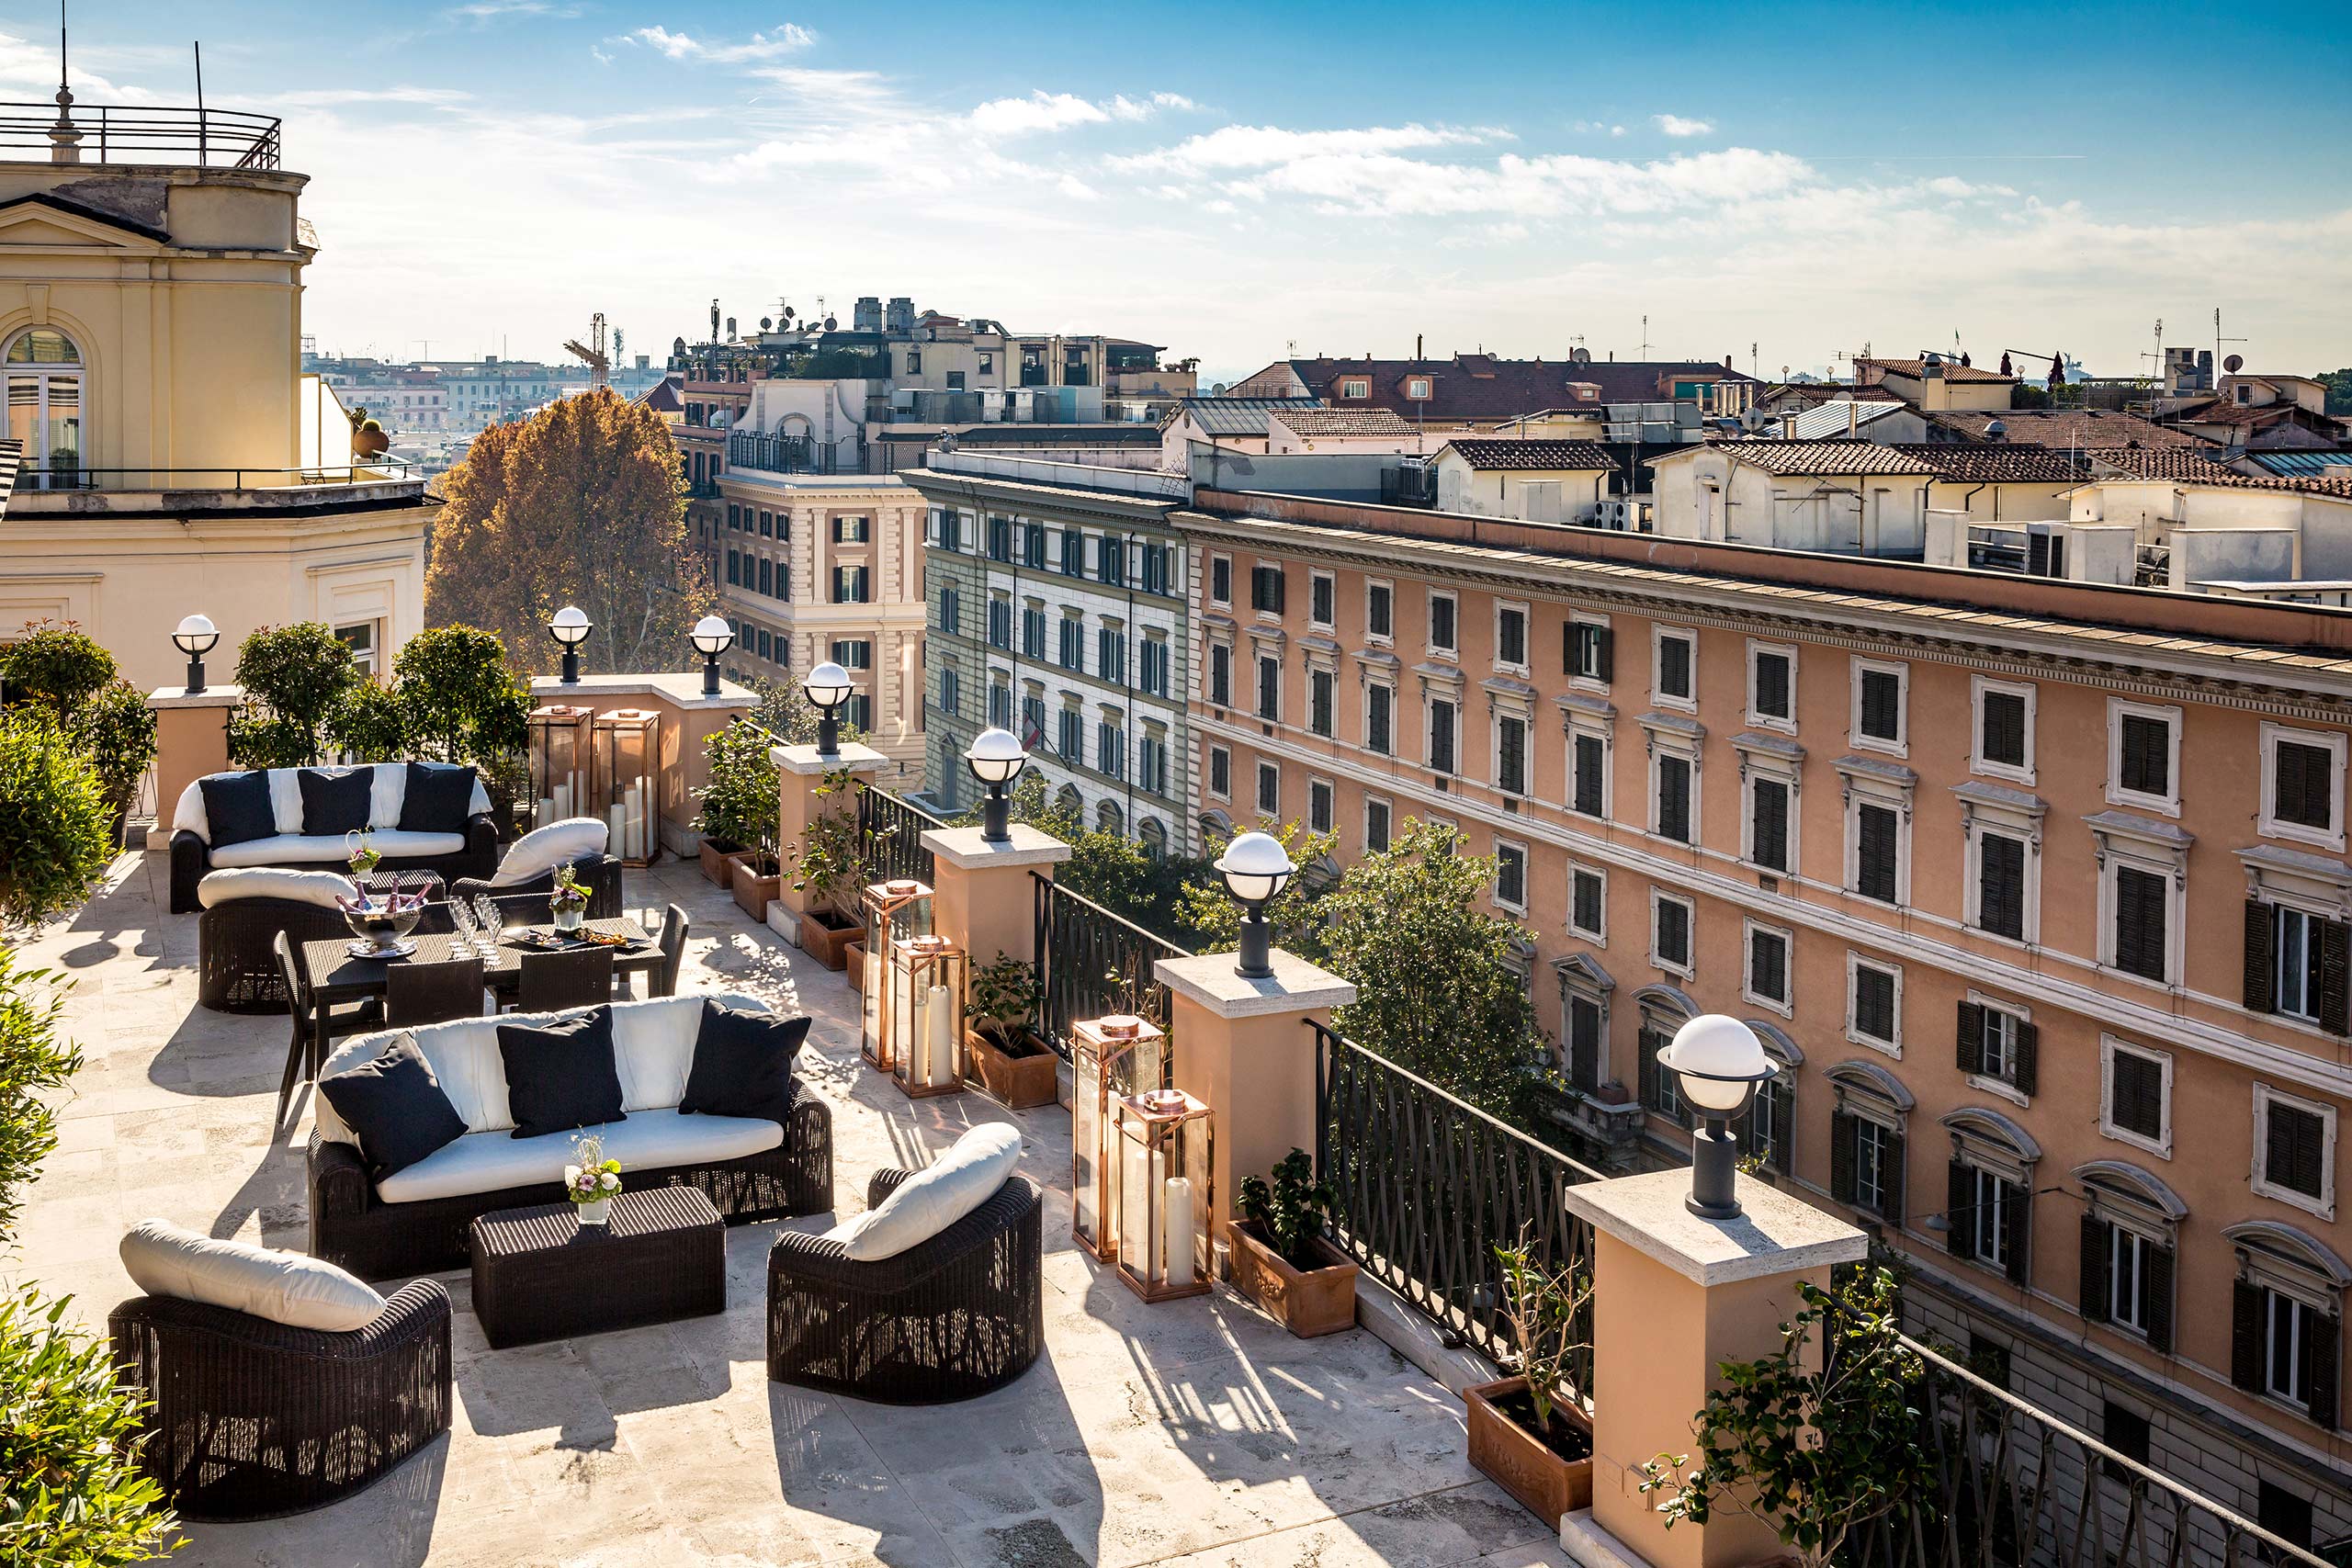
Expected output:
(1194, 1432)
(1534, 457)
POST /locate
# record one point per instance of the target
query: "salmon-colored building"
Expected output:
(2037, 891)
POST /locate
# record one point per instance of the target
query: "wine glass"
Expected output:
(461, 921)
(493, 918)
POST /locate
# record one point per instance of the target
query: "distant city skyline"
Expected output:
(1236, 183)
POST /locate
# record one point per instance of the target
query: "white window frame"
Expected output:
(1429, 627)
(1364, 733)
(2118, 851)
(1331, 796)
(1787, 651)
(1687, 967)
(1521, 666)
(2334, 744)
(1386, 804)
(1355, 386)
(2160, 1146)
(1258, 796)
(2324, 1205)
(1313, 576)
(2000, 1086)
(1510, 713)
(1416, 388)
(1978, 686)
(1388, 637)
(1658, 635)
(1784, 771)
(1226, 603)
(1976, 823)
(1600, 730)
(1208, 774)
(2116, 794)
(1259, 655)
(1868, 789)
(1526, 875)
(1660, 749)
(1580, 618)
(1855, 962)
(1901, 744)
(1598, 936)
(1749, 929)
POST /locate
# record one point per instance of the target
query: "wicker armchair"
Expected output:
(601, 874)
(235, 970)
(954, 1318)
(251, 1419)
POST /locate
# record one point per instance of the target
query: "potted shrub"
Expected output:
(828, 868)
(1527, 1433)
(738, 803)
(1013, 1065)
(367, 437)
(1280, 1258)
(757, 875)
(117, 729)
(854, 962)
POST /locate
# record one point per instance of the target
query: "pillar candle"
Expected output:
(635, 798)
(905, 1029)
(1177, 1241)
(1135, 1245)
(560, 802)
(940, 1043)
(616, 829)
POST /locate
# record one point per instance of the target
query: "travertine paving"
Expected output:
(1195, 1432)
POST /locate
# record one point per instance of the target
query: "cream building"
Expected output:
(175, 458)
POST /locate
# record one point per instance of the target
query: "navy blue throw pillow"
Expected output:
(439, 799)
(743, 1063)
(336, 802)
(395, 1106)
(237, 808)
(560, 1076)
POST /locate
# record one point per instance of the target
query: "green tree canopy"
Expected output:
(294, 677)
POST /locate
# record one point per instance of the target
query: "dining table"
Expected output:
(339, 976)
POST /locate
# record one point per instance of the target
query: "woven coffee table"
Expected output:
(540, 1274)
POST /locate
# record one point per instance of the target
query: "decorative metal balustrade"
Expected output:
(1426, 1187)
(1090, 962)
(890, 828)
(114, 133)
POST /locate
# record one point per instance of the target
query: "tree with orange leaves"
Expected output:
(581, 504)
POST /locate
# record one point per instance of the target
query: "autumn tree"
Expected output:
(581, 504)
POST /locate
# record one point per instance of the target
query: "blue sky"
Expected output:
(1232, 180)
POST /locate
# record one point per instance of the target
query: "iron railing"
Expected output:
(2016, 1485)
(113, 133)
(1426, 1187)
(1090, 962)
(54, 475)
(890, 830)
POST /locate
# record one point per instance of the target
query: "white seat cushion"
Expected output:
(541, 850)
(962, 1179)
(648, 1140)
(284, 1287)
(320, 887)
(300, 848)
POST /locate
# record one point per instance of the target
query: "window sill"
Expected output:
(1999, 1088)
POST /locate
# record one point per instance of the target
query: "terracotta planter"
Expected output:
(1308, 1301)
(1544, 1483)
(1017, 1083)
(854, 964)
(826, 942)
(753, 892)
(715, 854)
(369, 442)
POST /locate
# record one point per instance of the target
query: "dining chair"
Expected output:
(432, 993)
(551, 982)
(310, 1037)
(674, 926)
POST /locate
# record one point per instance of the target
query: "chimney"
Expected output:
(1935, 392)
(1853, 418)
(1789, 426)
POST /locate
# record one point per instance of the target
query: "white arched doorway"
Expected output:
(45, 397)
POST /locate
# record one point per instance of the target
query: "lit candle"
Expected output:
(1135, 1243)
(1177, 1239)
(561, 801)
(906, 1030)
(617, 827)
(939, 1044)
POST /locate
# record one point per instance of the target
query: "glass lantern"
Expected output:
(560, 747)
(925, 1007)
(1162, 1143)
(894, 911)
(1110, 1057)
(627, 785)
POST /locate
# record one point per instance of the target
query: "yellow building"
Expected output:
(175, 458)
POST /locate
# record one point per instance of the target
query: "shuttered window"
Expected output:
(1511, 755)
(1269, 687)
(2144, 759)
(1319, 717)
(1589, 651)
(1442, 633)
(2294, 1153)
(1769, 823)
(2135, 1095)
(2299, 964)
(1994, 1043)
(1375, 610)
(1674, 667)
(2001, 729)
(1882, 705)
(2303, 785)
(1874, 1003)
(1674, 798)
(2141, 907)
(1875, 828)
(2000, 884)
(1266, 588)
(1510, 636)
(1672, 939)
(2282, 1348)
(1591, 757)
(1381, 702)
(1220, 675)
(1321, 593)
(1583, 1030)
(1772, 693)
(1441, 736)
(2127, 1281)
(1866, 1163)
(1767, 966)
(1584, 905)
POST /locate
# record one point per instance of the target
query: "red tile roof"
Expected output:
(1533, 457)
(1343, 421)
(1480, 386)
(2080, 428)
(2186, 469)
(1917, 370)
(1821, 458)
(2002, 464)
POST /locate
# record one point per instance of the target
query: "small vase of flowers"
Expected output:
(360, 851)
(590, 1179)
(569, 903)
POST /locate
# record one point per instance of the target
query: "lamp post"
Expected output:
(1255, 867)
(827, 687)
(570, 628)
(195, 638)
(711, 637)
(1718, 1063)
(996, 759)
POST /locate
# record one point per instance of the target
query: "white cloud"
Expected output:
(1037, 112)
(480, 12)
(789, 38)
(1261, 146)
(1675, 125)
(334, 98)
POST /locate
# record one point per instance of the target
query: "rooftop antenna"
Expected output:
(200, 122)
(65, 141)
(2218, 339)
(2156, 365)
(1751, 360)
(1646, 337)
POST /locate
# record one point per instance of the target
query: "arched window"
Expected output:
(2286, 1317)
(45, 378)
(1110, 818)
(1068, 801)
(2128, 1241)
(1154, 834)
(1988, 1209)
(1866, 1138)
(1664, 1010)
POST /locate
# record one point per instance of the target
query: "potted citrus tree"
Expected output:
(828, 867)
(1528, 1434)
(1280, 1258)
(738, 802)
(1012, 1064)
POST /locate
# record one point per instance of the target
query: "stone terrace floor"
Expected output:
(1195, 1432)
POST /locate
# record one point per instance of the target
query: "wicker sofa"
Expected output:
(252, 1419)
(471, 853)
(418, 1221)
(950, 1318)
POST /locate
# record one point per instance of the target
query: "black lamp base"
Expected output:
(1255, 961)
(195, 675)
(829, 733)
(1714, 1172)
(570, 676)
(996, 816)
(710, 675)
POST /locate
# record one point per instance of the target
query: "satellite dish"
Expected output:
(831, 324)
(766, 323)
(1753, 420)
(1998, 429)
(2233, 363)
(1579, 357)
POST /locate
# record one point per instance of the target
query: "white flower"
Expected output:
(572, 1174)
(611, 1182)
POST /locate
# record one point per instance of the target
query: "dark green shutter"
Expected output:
(1972, 1037)
(1769, 806)
(1960, 1213)
(2326, 1352)
(2335, 980)
(1646, 1068)
(2026, 1071)
(2094, 1277)
(2261, 961)
(2245, 1336)
(1875, 853)
(1841, 1157)
(2017, 1231)
(1608, 640)
(1891, 1183)
(2158, 1286)
(1783, 1096)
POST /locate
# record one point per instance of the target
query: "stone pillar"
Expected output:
(982, 899)
(1674, 1297)
(1244, 1047)
(191, 740)
(801, 773)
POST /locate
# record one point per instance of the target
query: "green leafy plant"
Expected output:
(1812, 1447)
(569, 892)
(293, 676)
(829, 864)
(1545, 1309)
(56, 829)
(34, 1063)
(461, 701)
(1005, 998)
(740, 803)
(1295, 912)
(116, 729)
(369, 724)
(56, 664)
(1290, 1210)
